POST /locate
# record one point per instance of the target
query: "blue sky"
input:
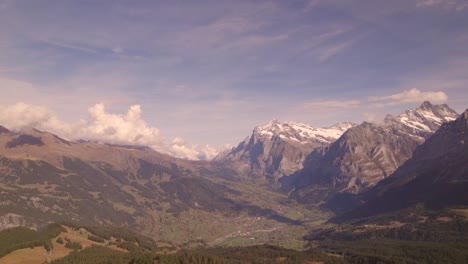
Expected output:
(209, 71)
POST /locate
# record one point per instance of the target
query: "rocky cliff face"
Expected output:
(435, 176)
(368, 153)
(10, 220)
(422, 122)
(277, 149)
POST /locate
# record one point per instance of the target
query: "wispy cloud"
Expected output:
(14, 69)
(332, 104)
(70, 46)
(457, 5)
(230, 34)
(331, 50)
(11, 84)
(413, 95)
(217, 68)
(404, 97)
(328, 50)
(311, 4)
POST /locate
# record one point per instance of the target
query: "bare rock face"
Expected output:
(435, 176)
(441, 152)
(422, 122)
(361, 157)
(277, 149)
(368, 153)
(3, 130)
(10, 220)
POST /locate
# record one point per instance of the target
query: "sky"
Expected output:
(191, 77)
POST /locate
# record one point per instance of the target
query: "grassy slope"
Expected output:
(176, 209)
(25, 246)
(414, 235)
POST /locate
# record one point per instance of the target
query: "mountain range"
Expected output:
(44, 178)
(436, 175)
(271, 188)
(367, 153)
(277, 149)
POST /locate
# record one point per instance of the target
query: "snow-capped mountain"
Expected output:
(276, 149)
(302, 133)
(423, 121)
(436, 175)
(367, 153)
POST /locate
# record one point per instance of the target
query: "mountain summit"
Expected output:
(368, 153)
(423, 121)
(300, 132)
(276, 149)
(435, 176)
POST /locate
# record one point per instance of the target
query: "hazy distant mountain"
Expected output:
(277, 149)
(436, 175)
(368, 153)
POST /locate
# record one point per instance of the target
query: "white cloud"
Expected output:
(424, 3)
(376, 117)
(183, 149)
(343, 104)
(24, 116)
(128, 129)
(120, 129)
(457, 5)
(413, 95)
(70, 46)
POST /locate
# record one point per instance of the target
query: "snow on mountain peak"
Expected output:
(342, 126)
(301, 132)
(427, 118)
(269, 128)
(426, 105)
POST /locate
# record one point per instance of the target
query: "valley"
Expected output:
(364, 182)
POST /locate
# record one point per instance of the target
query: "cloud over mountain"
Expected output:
(128, 128)
(413, 95)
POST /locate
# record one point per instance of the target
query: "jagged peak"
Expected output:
(342, 125)
(276, 127)
(430, 111)
(271, 126)
(389, 118)
(422, 121)
(464, 116)
(3, 130)
(426, 105)
(441, 109)
(300, 132)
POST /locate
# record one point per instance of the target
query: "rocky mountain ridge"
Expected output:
(276, 149)
(436, 175)
(423, 121)
(368, 153)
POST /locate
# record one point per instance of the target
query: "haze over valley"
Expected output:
(233, 132)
